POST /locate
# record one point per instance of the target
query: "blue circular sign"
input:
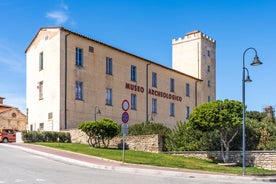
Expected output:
(125, 117)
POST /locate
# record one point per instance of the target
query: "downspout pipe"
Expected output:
(147, 93)
(65, 83)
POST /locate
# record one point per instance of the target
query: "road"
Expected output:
(18, 166)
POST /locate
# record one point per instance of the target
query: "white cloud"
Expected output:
(64, 6)
(59, 16)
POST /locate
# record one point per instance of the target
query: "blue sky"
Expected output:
(146, 28)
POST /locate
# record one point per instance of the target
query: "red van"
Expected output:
(7, 135)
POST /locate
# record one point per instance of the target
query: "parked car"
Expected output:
(7, 135)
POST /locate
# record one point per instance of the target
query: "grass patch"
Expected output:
(156, 159)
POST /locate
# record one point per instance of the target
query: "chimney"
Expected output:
(1, 100)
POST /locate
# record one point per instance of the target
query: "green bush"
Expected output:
(45, 136)
(99, 131)
(184, 138)
(148, 129)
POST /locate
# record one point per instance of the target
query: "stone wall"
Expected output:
(149, 143)
(263, 159)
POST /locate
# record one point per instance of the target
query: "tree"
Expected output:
(99, 131)
(184, 138)
(255, 115)
(224, 116)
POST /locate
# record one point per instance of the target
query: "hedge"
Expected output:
(45, 136)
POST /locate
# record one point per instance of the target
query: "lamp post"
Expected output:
(97, 111)
(255, 62)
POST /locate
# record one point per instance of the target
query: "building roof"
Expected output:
(4, 108)
(71, 32)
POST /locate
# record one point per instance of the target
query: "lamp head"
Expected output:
(256, 61)
(248, 79)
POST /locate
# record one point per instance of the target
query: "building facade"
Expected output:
(11, 117)
(72, 78)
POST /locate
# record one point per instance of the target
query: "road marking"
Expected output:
(40, 180)
(18, 180)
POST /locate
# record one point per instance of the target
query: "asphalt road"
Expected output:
(18, 166)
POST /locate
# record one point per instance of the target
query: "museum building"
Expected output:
(72, 78)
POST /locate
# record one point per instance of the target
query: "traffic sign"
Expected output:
(125, 117)
(124, 128)
(125, 105)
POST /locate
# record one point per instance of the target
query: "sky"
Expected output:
(146, 28)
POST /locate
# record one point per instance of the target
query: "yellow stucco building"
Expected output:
(72, 78)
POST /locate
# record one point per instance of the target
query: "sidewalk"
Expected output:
(100, 163)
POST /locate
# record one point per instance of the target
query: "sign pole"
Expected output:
(123, 157)
(125, 118)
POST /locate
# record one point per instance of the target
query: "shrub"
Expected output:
(149, 128)
(99, 131)
(45, 136)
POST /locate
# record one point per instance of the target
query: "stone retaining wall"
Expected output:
(263, 159)
(154, 143)
(150, 143)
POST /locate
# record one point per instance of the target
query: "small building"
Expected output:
(11, 117)
(72, 78)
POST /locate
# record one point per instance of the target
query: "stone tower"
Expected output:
(195, 55)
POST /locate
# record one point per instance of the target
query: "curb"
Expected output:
(140, 169)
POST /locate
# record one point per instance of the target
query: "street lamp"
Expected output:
(97, 111)
(255, 62)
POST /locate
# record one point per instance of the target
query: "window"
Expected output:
(133, 101)
(209, 68)
(79, 57)
(108, 65)
(187, 112)
(209, 99)
(209, 83)
(91, 49)
(79, 90)
(171, 109)
(50, 115)
(40, 88)
(154, 79)
(187, 89)
(154, 105)
(172, 85)
(41, 126)
(208, 53)
(133, 73)
(108, 96)
(41, 61)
